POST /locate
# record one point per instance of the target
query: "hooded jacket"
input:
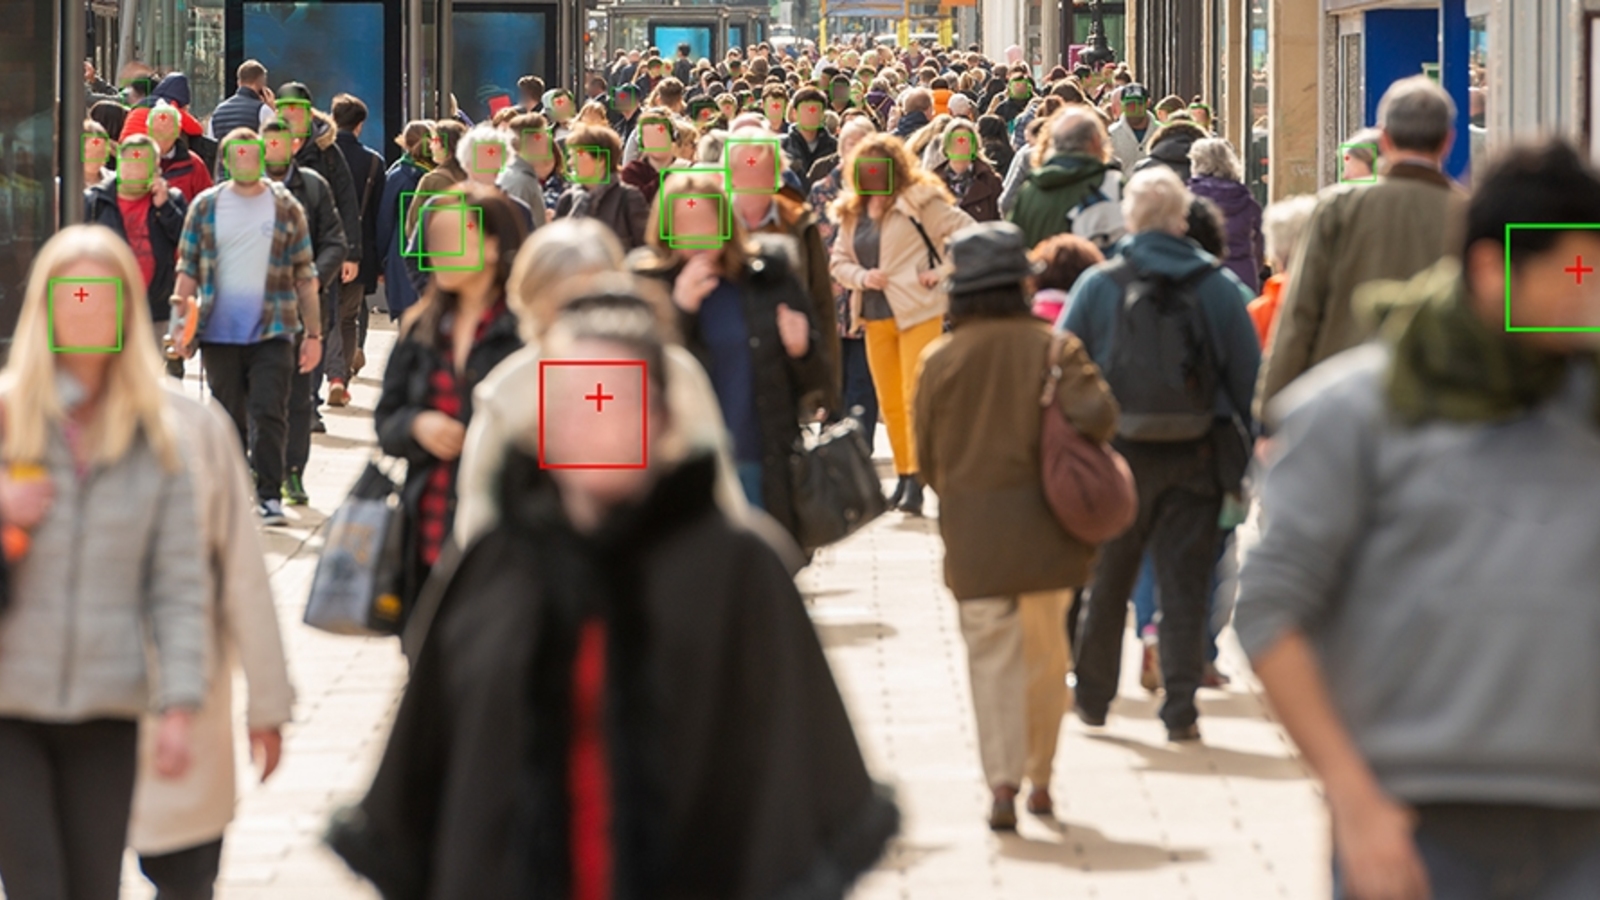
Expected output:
(902, 254)
(1241, 223)
(329, 240)
(1170, 147)
(1091, 311)
(165, 224)
(320, 155)
(982, 199)
(1051, 191)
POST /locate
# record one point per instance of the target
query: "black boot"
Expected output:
(912, 501)
(899, 492)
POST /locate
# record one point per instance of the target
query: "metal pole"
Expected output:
(414, 99)
(445, 55)
(127, 20)
(72, 25)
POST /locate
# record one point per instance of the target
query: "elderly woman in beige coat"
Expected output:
(894, 219)
(178, 824)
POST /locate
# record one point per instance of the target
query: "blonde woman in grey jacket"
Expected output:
(93, 476)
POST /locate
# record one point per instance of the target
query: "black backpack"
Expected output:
(1163, 368)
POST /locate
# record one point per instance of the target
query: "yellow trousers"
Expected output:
(892, 355)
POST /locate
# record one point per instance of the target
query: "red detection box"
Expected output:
(593, 414)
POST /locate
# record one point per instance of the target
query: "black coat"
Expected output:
(735, 773)
(781, 381)
(367, 172)
(802, 157)
(329, 242)
(620, 207)
(407, 393)
(165, 223)
(319, 154)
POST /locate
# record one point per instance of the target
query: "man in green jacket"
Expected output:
(1390, 230)
(1078, 167)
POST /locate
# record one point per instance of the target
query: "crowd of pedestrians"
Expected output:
(1374, 406)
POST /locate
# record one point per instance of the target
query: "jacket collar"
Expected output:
(1411, 171)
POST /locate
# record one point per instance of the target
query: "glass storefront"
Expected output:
(173, 36)
(1115, 17)
(1478, 92)
(1256, 163)
(27, 144)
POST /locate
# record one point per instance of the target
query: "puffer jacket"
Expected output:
(1242, 224)
(321, 155)
(114, 559)
(902, 254)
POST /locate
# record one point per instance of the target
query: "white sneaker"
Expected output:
(271, 512)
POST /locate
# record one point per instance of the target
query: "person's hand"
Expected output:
(24, 502)
(439, 434)
(268, 97)
(930, 278)
(88, 72)
(696, 282)
(310, 354)
(174, 749)
(875, 279)
(1377, 852)
(349, 272)
(158, 191)
(794, 329)
(266, 748)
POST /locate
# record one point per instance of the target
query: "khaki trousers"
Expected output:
(1017, 658)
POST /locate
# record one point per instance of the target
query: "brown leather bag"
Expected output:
(1088, 485)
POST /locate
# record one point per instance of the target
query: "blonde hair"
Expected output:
(734, 253)
(907, 172)
(551, 266)
(134, 401)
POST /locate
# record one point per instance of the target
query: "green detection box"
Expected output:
(603, 158)
(303, 131)
(674, 237)
(743, 155)
(163, 124)
(961, 144)
(655, 135)
(468, 249)
(137, 154)
(872, 171)
(82, 290)
(488, 157)
(539, 150)
(275, 139)
(94, 146)
(421, 197)
(238, 154)
(812, 107)
(1371, 179)
(1577, 270)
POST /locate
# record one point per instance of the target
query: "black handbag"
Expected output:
(836, 488)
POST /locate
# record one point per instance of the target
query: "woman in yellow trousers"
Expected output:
(894, 219)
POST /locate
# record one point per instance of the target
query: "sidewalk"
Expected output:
(1143, 819)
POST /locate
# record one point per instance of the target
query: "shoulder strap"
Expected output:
(933, 254)
(1052, 367)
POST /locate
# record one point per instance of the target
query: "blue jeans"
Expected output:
(858, 390)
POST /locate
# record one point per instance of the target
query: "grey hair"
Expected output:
(1363, 145)
(1215, 157)
(1283, 224)
(709, 150)
(1156, 200)
(563, 252)
(1077, 129)
(481, 134)
(1416, 114)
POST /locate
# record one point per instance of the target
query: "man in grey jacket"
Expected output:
(1422, 606)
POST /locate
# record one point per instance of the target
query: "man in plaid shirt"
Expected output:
(245, 268)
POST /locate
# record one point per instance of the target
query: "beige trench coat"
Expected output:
(171, 815)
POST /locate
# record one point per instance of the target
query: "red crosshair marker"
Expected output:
(82, 295)
(691, 204)
(872, 171)
(750, 161)
(1578, 269)
(241, 153)
(598, 397)
(273, 142)
(138, 155)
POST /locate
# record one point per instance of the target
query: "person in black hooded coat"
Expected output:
(656, 641)
(1170, 147)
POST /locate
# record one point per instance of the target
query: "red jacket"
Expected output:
(186, 172)
(138, 122)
